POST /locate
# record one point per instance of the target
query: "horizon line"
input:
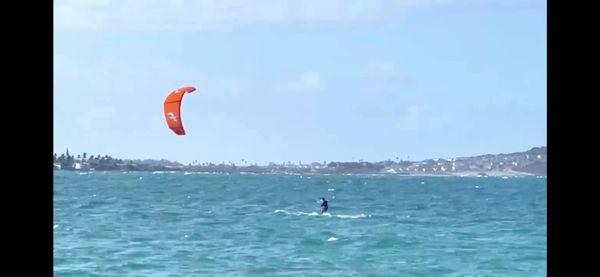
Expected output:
(300, 162)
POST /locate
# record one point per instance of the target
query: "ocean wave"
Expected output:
(191, 173)
(200, 173)
(343, 216)
(353, 216)
(163, 172)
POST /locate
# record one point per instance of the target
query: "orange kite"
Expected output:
(173, 109)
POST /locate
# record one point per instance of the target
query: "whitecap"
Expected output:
(351, 216)
(162, 172)
(330, 189)
(55, 226)
(194, 173)
(281, 211)
(332, 239)
(344, 216)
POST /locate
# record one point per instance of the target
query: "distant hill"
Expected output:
(530, 162)
(536, 168)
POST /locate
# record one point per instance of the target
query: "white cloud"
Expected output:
(308, 81)
(384, 74)
(380, 66)
(219, 14)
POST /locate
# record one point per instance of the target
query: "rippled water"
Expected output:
(178, 224)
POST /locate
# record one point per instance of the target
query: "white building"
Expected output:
(81, 166)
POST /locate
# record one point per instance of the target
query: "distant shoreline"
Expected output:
(472, 174)
(529, 163)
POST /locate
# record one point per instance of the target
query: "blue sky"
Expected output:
(300, 80)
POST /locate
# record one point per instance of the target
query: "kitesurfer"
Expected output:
(324, 205)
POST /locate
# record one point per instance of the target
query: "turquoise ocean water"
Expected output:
(181, 224)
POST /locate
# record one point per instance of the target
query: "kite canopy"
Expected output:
(172, 109)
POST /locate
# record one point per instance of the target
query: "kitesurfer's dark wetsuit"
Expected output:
(324, 205)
